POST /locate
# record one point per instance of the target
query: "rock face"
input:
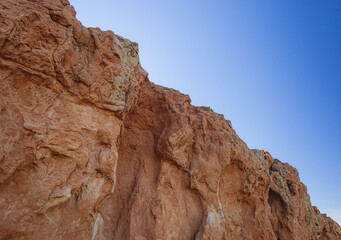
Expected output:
(91, 149)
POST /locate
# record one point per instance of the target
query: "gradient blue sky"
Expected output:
(273, 67)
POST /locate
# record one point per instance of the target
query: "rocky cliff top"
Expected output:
(91, 149)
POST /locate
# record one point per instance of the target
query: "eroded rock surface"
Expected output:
(91, 149)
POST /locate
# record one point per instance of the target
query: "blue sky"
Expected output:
(272, 67)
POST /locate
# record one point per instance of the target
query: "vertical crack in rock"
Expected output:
(97, 224)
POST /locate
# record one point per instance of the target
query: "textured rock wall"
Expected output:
(90, 149)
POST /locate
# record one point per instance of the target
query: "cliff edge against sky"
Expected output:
(91, 149)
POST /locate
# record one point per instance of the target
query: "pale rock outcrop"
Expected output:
(91, 149)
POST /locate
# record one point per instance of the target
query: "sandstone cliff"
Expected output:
(91, 149)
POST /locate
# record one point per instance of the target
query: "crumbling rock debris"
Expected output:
(91, 149)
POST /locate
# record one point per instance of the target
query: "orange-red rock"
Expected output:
(91, 149)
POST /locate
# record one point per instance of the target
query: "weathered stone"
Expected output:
(91, 149)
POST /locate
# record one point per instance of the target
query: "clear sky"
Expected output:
(273, 67)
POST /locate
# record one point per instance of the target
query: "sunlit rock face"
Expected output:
(91, 149)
